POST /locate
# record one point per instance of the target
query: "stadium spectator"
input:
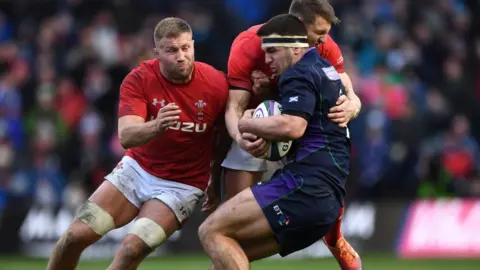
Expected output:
(414, 64)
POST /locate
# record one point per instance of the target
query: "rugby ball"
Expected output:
(276, 150)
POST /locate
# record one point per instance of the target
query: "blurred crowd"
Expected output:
(414, 65)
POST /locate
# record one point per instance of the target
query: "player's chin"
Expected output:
(185, 71)
(181, 74)
(277, 72)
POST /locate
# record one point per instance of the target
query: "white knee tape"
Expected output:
(99, 220)
(150, 232)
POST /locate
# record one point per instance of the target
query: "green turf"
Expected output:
(372, 262)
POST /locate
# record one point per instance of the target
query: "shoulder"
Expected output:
(212, 83)
(145, 70)
(247, 43)
(210, 76)
(332, 53)
(298, 74)
(247, 36)
(208, 71)
(328, 46)
(304, 67)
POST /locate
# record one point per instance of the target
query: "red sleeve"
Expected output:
(242, 60)
(132, 98)
(330, 51)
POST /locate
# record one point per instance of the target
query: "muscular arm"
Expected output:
(275, 128)
(351, 94)
(242, 61)
(237, 104)
(293, 122)
(332, 53)
(134, 131)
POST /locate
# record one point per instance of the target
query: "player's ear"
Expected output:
(297, 51)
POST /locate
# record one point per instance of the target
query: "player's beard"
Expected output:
(182, 74)
(178, 74)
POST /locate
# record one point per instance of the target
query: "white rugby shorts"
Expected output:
(139, 186)
(240, 160)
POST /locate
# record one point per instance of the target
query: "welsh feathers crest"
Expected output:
(200, 104)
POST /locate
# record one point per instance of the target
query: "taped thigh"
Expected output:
(99, 220)
(149, 231)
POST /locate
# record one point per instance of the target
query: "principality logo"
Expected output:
(200, 104)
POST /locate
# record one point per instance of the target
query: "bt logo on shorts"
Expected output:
(284, 220)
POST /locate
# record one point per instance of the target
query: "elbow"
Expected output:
(293, 134)
(295, 129)
(124, 141)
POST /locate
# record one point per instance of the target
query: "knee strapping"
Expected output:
(99, 220)
(149, 231)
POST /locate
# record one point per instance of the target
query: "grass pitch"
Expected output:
(370, 262)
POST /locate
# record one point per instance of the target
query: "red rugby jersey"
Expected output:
(182, 153)
(246, 55)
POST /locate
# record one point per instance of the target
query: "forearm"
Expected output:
(356, 100)
(347, 82)
(238, 101)
(232, 116)
(273, 128)
(138, 134)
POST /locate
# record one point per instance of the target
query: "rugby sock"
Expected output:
(335, 234)
(346, 256)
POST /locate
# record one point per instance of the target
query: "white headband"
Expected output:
(275, 40)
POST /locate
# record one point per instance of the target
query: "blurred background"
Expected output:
(416, 158)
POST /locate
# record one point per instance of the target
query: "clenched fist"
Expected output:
(167, 117)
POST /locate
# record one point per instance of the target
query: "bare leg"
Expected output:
(236, 181)
(240, 219)
(259, 249)
(134, 250)
(79, 236)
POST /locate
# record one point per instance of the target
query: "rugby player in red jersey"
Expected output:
(167, 114)
(248, 74)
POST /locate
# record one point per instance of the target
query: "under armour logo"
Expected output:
(183, 211)
(200, 104)
(340, 60)
(161, 102)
